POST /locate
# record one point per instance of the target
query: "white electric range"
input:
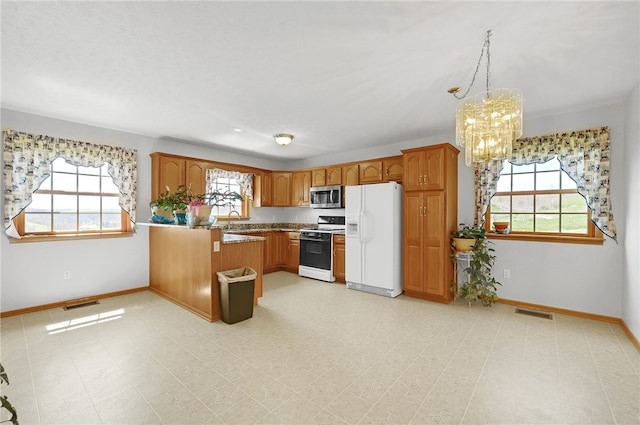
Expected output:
(316, 248)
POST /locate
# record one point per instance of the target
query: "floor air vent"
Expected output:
(535, 313)
(84, 303)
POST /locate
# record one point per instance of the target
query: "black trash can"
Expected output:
(236, 294)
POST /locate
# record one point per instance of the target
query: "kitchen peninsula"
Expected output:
(183, 263)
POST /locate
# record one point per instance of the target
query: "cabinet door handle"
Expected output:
(387, 171)
(425, 179)
(420, 180)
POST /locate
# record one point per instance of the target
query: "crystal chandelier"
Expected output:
(489, 122)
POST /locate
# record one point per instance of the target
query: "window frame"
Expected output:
(244, 205)
(126, 228)
(592, 236)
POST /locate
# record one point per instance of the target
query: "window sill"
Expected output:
(588, 240)
(70, 237)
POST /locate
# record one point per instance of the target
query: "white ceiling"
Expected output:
(340, 76)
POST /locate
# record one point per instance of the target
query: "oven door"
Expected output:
(315, 250)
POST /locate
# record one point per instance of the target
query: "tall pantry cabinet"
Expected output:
(430, 214)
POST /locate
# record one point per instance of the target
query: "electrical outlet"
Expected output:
(216, 246)
(66, 274)
(506, 273)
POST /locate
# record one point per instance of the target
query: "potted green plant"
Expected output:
(174, 203)
(464, 239)
(480, 284)
(222, 198)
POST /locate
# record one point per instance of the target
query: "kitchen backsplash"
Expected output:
(290, 215)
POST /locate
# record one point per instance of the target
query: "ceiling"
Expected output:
(340, 76)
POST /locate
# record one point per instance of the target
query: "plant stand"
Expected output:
(462, 263)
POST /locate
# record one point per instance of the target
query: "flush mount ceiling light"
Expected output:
(489, 122)
(283, 139)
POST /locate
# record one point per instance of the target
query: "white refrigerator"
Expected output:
(374, 238)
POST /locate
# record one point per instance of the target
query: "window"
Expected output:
(540, 201)
(229, 191)
(28, 164)
(74, 200)
(224, 185)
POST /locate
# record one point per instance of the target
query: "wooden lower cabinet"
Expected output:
(292, 251)
(183, 266)
(339, 258)
(428, 270)
(274, 250)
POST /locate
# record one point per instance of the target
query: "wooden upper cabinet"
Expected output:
(166, 171)
(424, 168)
(319, 177)
(434, 172)
(334, 176)
(300, 188)
(350, 175)
(196, 176)
(262, 189)
(281, 188)
(413, 166)
(370, 172)
(393, 168)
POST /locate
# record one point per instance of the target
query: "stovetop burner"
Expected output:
(329, 224)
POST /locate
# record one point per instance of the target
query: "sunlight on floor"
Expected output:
(81, 322)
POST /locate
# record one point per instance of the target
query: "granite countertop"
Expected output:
(229, 238)
(240, 229)
(266, 227)
(245, 231)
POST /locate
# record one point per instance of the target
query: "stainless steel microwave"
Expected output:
(326, 197)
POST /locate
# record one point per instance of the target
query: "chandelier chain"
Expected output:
(485, 44)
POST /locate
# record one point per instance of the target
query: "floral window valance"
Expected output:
(583, 155)
(244, 180)
(27, 161)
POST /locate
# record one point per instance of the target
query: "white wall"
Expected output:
(631, 281)
(32, 273)
(586, 278)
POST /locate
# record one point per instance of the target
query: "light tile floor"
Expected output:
(317, 353)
